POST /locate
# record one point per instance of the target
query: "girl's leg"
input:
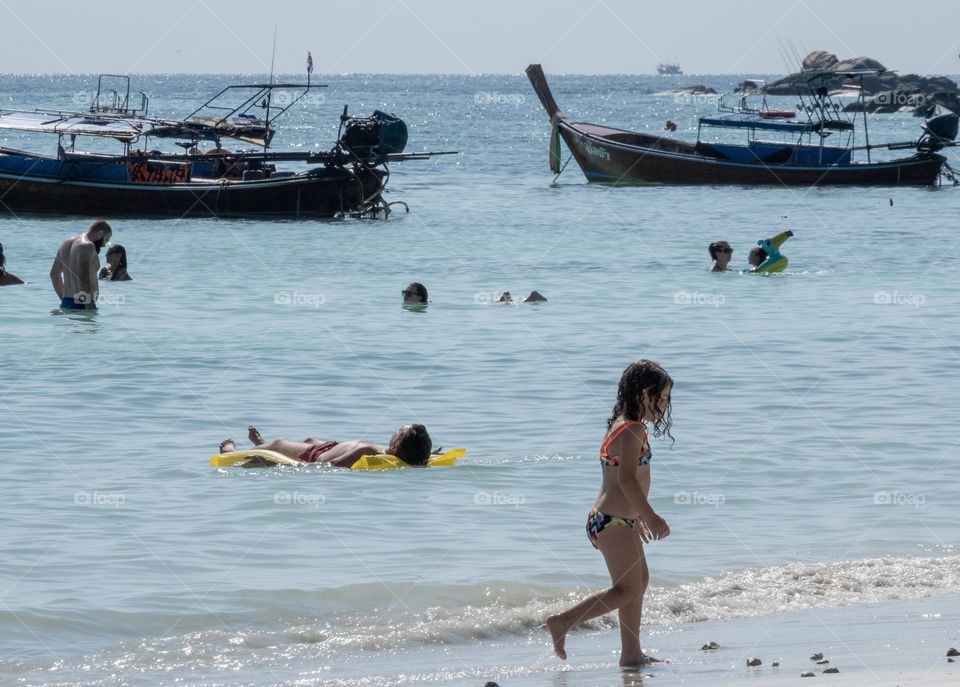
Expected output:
(253, 434)
(630, 617)
(291, 449)
(623, 555)
(259, 442)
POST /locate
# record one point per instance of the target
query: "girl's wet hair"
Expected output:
(715, 247)
(643, 375)
(757, 256)
(412, 445)
(419, 290)
(117, 249)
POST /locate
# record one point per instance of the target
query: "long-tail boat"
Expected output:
(204, 178)
(816, 152)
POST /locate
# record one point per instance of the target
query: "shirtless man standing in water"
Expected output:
(74, 271)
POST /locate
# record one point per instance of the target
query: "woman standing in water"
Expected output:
(116, 269)
(622, 519)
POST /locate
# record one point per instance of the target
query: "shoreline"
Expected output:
(893, 643)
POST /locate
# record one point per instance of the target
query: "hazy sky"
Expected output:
(475, 36)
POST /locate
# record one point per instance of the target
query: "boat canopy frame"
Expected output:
(821, 109)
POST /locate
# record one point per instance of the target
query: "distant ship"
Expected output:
(669, 68)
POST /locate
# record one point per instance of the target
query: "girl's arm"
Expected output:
(356, 452)
(629, 478)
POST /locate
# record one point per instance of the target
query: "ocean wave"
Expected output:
(292, 624)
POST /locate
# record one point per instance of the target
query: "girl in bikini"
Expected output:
(622, 519)
(410, 443)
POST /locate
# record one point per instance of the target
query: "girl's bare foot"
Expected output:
(253, 435)
(632, 661)
(227, 446)
(558, 633)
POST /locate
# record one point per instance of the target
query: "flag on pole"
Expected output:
(309, 63)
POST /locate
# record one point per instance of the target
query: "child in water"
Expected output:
(622, 519)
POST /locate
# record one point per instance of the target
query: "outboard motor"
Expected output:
(943, 125)
(940, 130)
(379, 134)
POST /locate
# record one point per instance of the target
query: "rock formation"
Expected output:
(888, 92)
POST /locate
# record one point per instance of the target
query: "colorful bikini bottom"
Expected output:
(598, 520)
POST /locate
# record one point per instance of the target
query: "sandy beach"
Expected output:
(889, 644)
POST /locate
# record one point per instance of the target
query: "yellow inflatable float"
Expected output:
(775, 260)
(376, 462)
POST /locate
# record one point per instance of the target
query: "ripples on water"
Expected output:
(813, 410)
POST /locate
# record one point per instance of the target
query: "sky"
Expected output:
(471, 36)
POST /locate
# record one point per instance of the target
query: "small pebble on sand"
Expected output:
(710, 647)
(775, 664)
(832, 670)
(952, 652)
(817, 657)
(807, 674)
(753, 662)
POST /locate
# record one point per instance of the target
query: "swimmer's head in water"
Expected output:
(100, 233)
(414, 292)
(719, 247)
(411, 444)
(119, 255)
(644, 393)
(757, 256)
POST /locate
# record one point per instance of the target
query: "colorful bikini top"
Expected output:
(613, 461)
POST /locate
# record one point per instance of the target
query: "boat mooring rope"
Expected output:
(950, 173)
(561, 170)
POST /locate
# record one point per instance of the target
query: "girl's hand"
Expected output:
(654, 528)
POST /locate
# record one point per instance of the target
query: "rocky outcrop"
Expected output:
(911, 93)
(855, 63)
(888, 92)
(819, 60)
(699, 89)
(747, 87)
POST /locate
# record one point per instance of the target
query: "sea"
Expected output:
(812, 471)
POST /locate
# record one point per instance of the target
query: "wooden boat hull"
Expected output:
(325, 192)
(624, 158)
(621, 157)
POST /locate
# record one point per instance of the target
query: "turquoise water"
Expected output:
(814, 411)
